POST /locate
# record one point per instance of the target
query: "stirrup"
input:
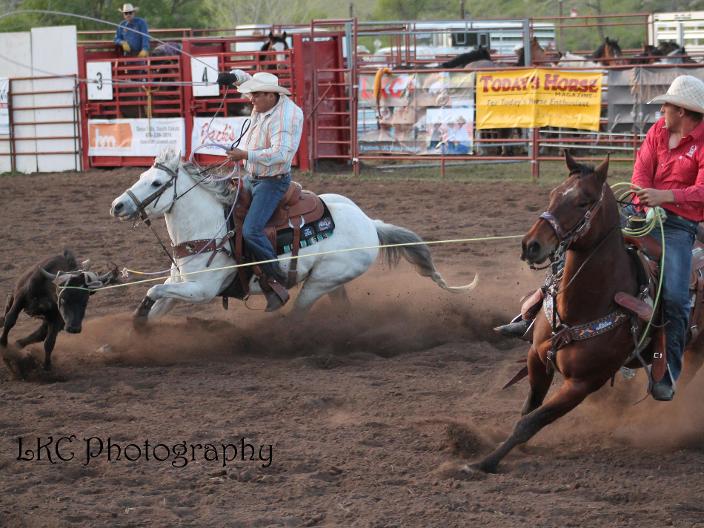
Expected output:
(276, 294)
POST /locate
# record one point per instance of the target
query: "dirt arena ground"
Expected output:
(358, 417)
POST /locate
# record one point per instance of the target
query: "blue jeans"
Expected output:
(679, 240)
(266, 195)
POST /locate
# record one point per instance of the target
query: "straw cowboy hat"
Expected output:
(686, 92)
(262, 82)
(128, 8)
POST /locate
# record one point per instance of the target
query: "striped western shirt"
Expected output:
(273, 139)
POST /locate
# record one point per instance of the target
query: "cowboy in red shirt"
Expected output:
(669, 171)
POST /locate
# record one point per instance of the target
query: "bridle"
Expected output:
(154, 197)
(567, 237)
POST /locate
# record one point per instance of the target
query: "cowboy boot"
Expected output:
(664, 390)
(518, 327)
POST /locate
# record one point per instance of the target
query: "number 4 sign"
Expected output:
(205, 70)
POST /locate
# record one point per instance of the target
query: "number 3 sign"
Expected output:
(100, 73)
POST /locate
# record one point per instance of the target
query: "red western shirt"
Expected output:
(680, 170)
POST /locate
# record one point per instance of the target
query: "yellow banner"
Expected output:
(538, 98)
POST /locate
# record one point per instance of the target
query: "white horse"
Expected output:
(193, 210)
(570, 60)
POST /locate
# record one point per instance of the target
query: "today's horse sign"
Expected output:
(537, 98)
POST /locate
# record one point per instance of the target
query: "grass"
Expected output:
(551, 172)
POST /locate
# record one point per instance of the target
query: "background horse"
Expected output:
(607, 54)
(668, 52)
(193, 210)
(582, 217)
(274, 42)
(462, 60)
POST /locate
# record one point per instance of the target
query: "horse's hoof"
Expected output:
(144, 307)
(140, 324)
(485, 467)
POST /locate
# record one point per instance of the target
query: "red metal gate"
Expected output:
(313, 66)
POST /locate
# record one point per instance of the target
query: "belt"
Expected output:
(275, 177)
(680, 217)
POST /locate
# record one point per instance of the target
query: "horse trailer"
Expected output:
(685, 28)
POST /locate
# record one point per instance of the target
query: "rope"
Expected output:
(653, 218)
(127, 271)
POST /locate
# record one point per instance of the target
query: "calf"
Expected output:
(39, 293)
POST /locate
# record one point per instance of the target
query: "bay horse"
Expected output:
(193, 209)
(583, 219)
(609, 53)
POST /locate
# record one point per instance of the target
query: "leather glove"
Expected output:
(143, 53)
(235, 77)
(227, 79)
(125, 46)
(240, 75)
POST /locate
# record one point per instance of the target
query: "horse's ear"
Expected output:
(283, 35)
(602, 170)
(572, 164)
(271, 34)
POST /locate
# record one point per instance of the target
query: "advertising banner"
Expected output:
(135, 137)
(210, 136)
(538, 98)
(417, 113)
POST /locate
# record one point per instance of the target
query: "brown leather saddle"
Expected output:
(649, 251)
(297, 208)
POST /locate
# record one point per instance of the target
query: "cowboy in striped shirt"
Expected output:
(273, 138)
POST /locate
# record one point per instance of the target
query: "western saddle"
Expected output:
(296, 209)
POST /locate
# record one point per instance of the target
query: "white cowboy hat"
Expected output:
(262, 82)
(128, 8)
(685, 91)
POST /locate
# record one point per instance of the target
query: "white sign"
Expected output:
(213, 136)
(205, 70)
(135, 137)
(4, 111)
(100, 73)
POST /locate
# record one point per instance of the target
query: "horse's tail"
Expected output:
(415, 251)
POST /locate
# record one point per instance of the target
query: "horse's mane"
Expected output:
(219, 188)
(600, 52)
(582, 169)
